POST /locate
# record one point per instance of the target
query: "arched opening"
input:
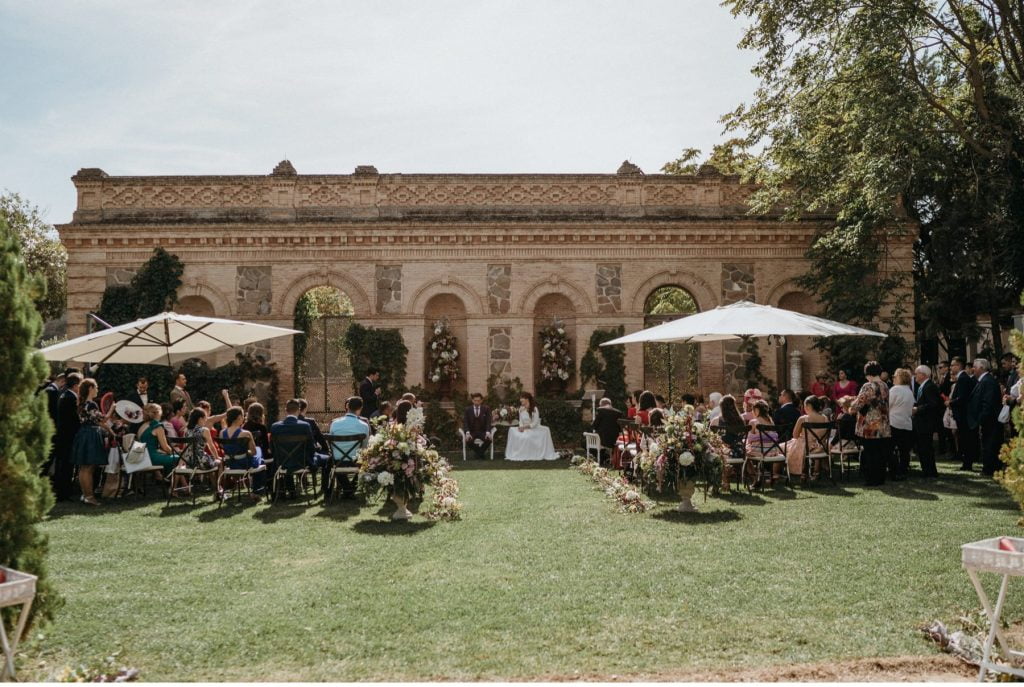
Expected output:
(812, 360)
(551, 309)
(445, 309)
(670, 369)
(323, 374)
(195, 305)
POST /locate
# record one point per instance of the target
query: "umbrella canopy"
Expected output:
(730, 322)
(162, 340)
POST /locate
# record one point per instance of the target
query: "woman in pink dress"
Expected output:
(844, 386)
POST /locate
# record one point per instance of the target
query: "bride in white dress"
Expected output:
(530, 440)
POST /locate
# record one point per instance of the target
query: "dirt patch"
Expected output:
(890, 669)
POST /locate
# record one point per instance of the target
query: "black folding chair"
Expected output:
(344, 452)
(290, 454)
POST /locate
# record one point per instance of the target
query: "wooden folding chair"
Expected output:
(735, 439)
(816, 436)
(848, 450)
(237, 467)
(189, 451)
(290, 455)
(769, 451)
(344, 459)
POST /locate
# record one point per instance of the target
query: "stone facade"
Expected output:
(500, 246)
(120, 276)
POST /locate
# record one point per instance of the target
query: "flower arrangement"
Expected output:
(556, 365)
(397, 461)
(444, 354)
(628, 499)
(683, 451)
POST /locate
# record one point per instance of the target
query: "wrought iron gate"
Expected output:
(327, 378)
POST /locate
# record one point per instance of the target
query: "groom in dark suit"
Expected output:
(983, 414)
(476, 426)
(370, 393)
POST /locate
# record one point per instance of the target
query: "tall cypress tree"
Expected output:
(25, 426)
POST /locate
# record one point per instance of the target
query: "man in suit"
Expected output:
(52, 388)
(178, 393)
(1009, 363)
(787, 414)
(927, 417)
(139, 397)
(476, 426)
(966, 438)
(291, 425)
(370, 393)
(320, 444)
(945, 381)
(349, 424)
(606, 424)
(983, 414)
(68, 424)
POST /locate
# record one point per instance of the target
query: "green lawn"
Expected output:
(541, 579)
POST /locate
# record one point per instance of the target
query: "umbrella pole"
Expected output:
(669, 346)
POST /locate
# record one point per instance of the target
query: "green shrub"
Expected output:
(564, 420)
(442, 425)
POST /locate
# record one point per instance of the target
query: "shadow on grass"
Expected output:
(283, 510)
(391, 528)
(743, 498)
(700, 517)
(340, 511)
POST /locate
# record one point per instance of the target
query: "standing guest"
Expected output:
(787, 414)
(820, 385)
(139, 397)
(291, 425)
(68, 424)
(89, 448)
(983, 414)
(927, 419)
(901, 413)
(166, 415)
(476, 426)
(53, 388)
(844, 386)
(714, 405)
(606, 425)
(884, 377)
(645, 405)
(154, 436)
(750, 397)
(945, 382)
(965, 438)
(1010, 375)
(872, 407)
(178, 393)
(370, 393)
(350, 424)
(318, 436)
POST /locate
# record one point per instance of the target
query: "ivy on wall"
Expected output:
(383, 349)
(606, 366)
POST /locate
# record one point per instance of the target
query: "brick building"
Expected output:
(498, 254)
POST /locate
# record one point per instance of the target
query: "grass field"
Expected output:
(542, 579)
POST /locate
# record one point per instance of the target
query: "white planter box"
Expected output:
(986, 556)
(19, 589)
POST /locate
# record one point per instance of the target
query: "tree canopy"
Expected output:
(42, 251)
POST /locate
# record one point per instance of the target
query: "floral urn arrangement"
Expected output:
(684, 453)
(443, 353)
(556, 364)
(398, 463)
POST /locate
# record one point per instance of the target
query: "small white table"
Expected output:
(19, 589)
(986, 556)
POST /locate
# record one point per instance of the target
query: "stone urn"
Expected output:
(402, 511)
(687, 487)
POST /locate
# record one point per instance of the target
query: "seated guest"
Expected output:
(476, 426)
(606, 424)
(255, 424)
(385, 409)
(349, 424)
(734, 436)
(714, 402)
(411, 398)
(826, 409)
(632, 404)
(750, 397)
(846, 423)
(318, 436)
(786, 416)
(291, 425)
(761, 443)
(796, 450)
(645, 404)
(401, 412)
(656, 417)
(154, 436)
(240, 449)
(166, 415)
(177, 417)
(200, 452)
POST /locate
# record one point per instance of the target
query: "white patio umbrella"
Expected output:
(731, 322)
(162, 340)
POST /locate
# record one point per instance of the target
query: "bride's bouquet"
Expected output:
(398, 462)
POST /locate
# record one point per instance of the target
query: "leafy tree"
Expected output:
(606, 365)
(730, 157)
(381, 348)
(891, 113)
(25, 427)
(42, 251)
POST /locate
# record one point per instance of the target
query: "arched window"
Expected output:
(670, 369)
(323, 375)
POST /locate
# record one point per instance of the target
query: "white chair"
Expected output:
(463, 441)
(592, 441)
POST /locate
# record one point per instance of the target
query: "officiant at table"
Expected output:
(530, 440)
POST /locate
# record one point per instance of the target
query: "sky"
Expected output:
(141, 87)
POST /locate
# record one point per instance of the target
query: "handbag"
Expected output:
(1004, 414)
(137, 458)
(947, 419)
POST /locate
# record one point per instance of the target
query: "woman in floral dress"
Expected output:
(872, 408)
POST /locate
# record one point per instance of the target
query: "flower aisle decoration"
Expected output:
(683, 452)
(444, 354)
(397, 462)
(627, 497)
(556, 365)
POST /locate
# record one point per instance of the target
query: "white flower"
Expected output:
(369, 477)
(448, 502)
(686, 459)
(403, 447)
(436, 378)
(437, 329)
(433, 346)
(561, 331)
(385, 479)
(632, 495)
